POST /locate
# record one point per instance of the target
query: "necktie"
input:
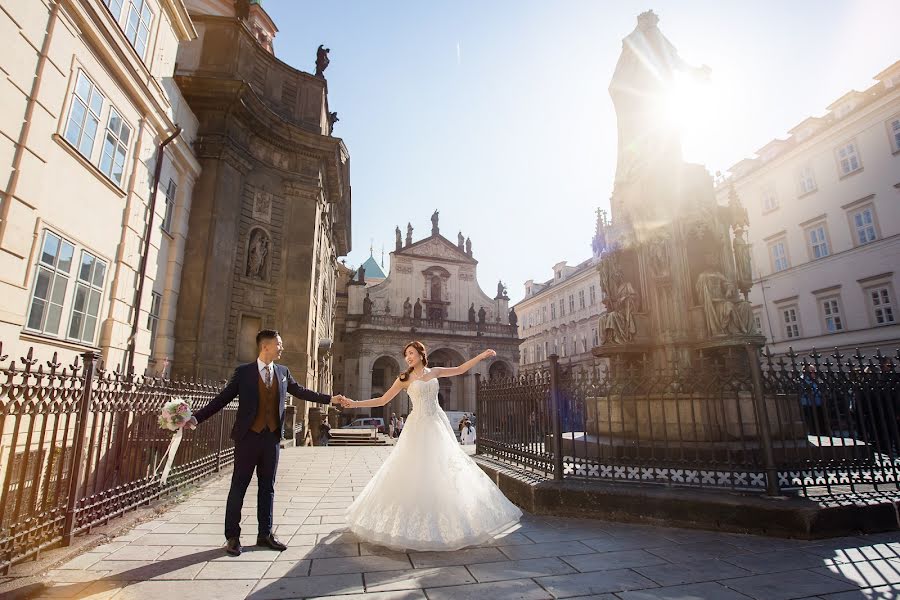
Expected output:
(268, 376)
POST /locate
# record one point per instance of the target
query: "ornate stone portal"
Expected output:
(674, 265)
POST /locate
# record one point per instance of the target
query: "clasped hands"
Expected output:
(341, 400)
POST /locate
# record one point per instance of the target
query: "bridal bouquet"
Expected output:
(174, 414)
(173, 417)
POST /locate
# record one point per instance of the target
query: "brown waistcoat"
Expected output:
(267, 411)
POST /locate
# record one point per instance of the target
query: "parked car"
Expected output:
(367, 423)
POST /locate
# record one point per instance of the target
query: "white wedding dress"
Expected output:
(428, 494)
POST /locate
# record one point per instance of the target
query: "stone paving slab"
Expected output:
(180, 555)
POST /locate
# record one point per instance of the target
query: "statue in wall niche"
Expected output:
(617, 324)
(322, 60)
(367, 305)
(658, 256)
(407, 307)
(513, 317)
(482, 315)
(257, 254)
(724, 311)
(472, 313)
(397, 241)
(417, 309)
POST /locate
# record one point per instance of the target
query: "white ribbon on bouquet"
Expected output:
(168, 457)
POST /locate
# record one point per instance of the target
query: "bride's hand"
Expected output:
(488, 353)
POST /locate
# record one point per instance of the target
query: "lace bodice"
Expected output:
(424, 396)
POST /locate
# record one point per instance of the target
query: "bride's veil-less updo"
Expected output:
(420, 348)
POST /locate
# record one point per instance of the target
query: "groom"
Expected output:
(260, 387)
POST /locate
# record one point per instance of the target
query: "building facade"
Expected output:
(90, 256)
(271, 210)
(824, 208)
(559, 316)
(431, 294)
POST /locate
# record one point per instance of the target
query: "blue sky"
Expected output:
(497, 113)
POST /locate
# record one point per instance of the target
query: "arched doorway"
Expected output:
(451, 391)
(385, 370)
(499, 369)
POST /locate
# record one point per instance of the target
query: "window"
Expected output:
(543, 314)
(831, 311)
(571, 303)
(552, 311)
(84, 115)
(791, 324)
(137, 25)
(864, 225)
(593, 295)
(848, 159)
(50, 283)
(894, 130)
(818, 242)
(153, 318)
(778, 253)
(86, 304)
(115, 147)
(115, 7)
(596, 338)
(757, 321)
(882, 305)
(580, 298)
(769, 200)
(807, 181)
(546, 350)
(564, 347)
(170, 206)
(562, 307)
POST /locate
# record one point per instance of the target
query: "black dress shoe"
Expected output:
(233, 546)
(270, 541)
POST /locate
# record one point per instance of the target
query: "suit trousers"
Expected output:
(259, 452)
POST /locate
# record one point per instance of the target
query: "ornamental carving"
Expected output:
(434, 249)
(262, 206)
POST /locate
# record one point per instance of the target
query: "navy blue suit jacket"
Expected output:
(244, 385)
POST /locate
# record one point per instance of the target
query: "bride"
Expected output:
(428, 494)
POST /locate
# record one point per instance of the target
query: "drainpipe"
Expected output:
(142, 270)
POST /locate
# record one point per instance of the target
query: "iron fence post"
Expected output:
(221, 441)
(762, 417)
(80, 430)
(479, 412)
(555, 415)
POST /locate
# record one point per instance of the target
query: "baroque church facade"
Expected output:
(430, 294)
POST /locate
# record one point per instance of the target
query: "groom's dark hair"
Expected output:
(265, 334)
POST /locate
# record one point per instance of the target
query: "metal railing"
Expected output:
(741, 421)
(80, 445)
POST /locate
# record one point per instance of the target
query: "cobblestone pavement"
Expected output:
(180, 556)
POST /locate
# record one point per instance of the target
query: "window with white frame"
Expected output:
(584, 343)
(882, 304)
(593, 295)
(546, 350)
(562, 307)
(831, 313)
(84, 115)
(791, 322)
(115, 7)
(863, 220)
(137, 25)
(848, 159)
(571, 303)
(818, 241)
(769, 199)
(807, 180)
(153, 318)
(115, 147)
(50, 295)
(564, 345)
(778, 253)
(543, 314)
(580, 298)
(894, 130)
(170, 206)
(86, 302)
(51, 281)
(552, 311)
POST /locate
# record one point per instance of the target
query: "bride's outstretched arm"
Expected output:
(379, 401)
(451, 371)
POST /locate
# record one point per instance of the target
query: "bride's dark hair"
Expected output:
(420, 348)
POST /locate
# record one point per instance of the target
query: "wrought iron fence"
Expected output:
(737, 420)
(80, 445)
